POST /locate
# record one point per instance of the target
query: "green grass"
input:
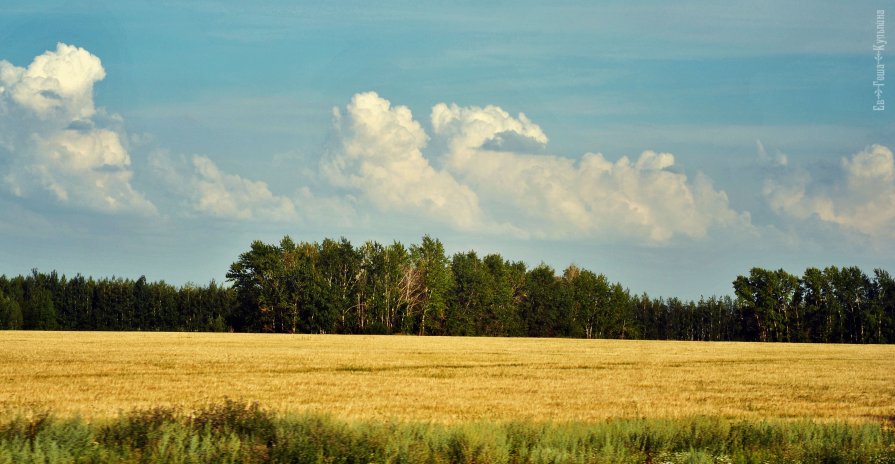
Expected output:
(238, 432)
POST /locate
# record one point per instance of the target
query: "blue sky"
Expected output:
(669, 148)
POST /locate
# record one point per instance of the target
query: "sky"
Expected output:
(670, 148)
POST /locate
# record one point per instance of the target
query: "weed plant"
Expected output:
(236, 432)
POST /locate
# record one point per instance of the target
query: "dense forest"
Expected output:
(335, 287)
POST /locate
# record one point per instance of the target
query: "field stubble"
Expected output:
(444, 379)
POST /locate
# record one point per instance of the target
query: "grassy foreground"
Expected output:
(234, 432)
(442, 379)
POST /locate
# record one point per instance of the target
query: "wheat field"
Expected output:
(444, 379)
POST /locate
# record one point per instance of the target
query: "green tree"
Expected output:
(258, 277)
(503, 315)
(885, 306)
(545, 308)
(78, 303)
(649, 315)
(814, 296)
(311, 298)
(339, 270)
(39, 312)
(768, 297)
(622, 311)
(471, 296)
(851, 287)
(835, 312)
(10, 314)
(380, 286)
(590, 302)
(433, 281)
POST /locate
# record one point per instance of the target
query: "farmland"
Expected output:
(443, 379)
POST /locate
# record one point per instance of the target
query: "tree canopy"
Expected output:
(336, 287)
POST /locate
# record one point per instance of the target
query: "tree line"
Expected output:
(336, 287)
(52, 302)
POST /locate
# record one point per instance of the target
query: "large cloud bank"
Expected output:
(488, 181)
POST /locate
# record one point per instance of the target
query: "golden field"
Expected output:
(444, 379)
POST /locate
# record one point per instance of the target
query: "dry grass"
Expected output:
(444, 379)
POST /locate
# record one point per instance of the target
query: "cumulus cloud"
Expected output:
(50, 139)
(862, 200)
(55, 144)
(474, 127)
(378, 152)
(592, 196)
(495, 177)
(873, 168)
(56, 84)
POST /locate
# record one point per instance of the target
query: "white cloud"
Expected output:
(473, 127)
(56, 84)
(863, 200)
(205, 190)
(872, 167)
(231, 196)
(555, 196)
(200, 184)
(50, 138)
(494, 175)
(379, 152)
(493, 181)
